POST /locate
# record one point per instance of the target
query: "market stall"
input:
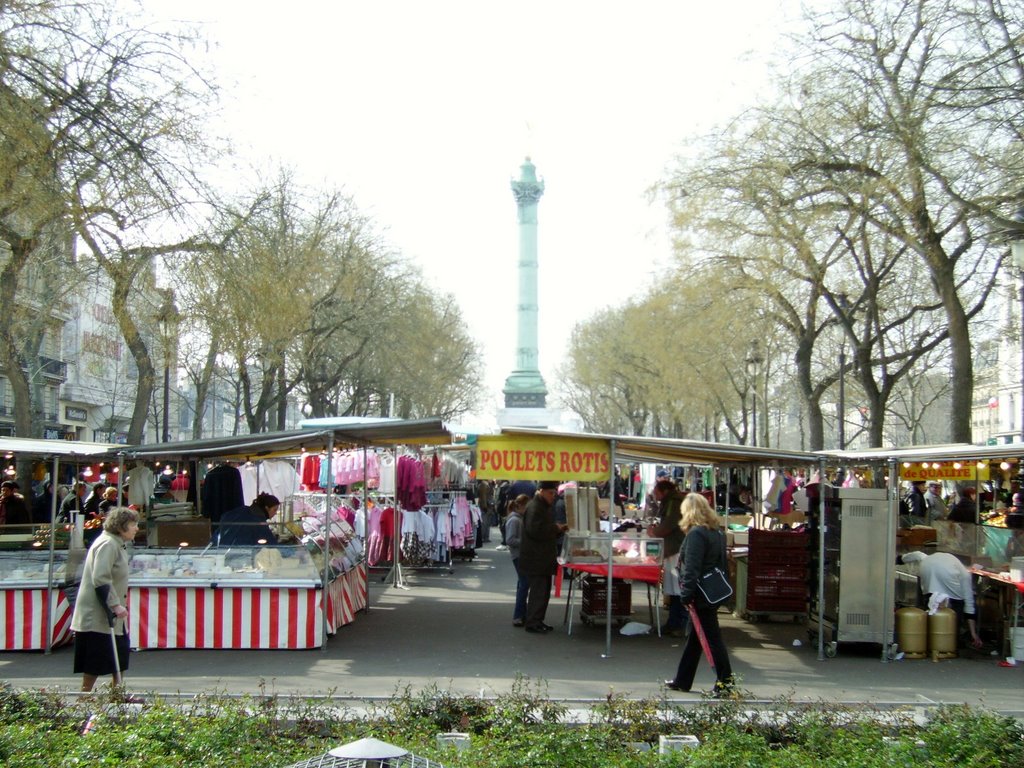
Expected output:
(533, 454)
(984, 544)
(262, 596)
(38, 573)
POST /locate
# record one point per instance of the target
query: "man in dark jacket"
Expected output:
(538, 554)
(92, 501)
(917, 508)
(13, 509)
(72, 503)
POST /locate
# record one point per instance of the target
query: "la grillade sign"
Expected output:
(537, 457)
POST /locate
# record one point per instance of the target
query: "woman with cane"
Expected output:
(101, 637)
(703, 551)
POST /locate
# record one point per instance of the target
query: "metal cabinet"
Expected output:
(857, 603)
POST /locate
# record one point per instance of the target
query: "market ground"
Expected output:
(454, 631)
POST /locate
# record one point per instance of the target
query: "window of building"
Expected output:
(51, 402)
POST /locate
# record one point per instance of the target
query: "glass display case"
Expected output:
(29, 568)
(626, 548)
(232, 566)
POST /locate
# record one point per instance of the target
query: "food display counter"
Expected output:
(239, 597)
(24, 593)
(634, 558)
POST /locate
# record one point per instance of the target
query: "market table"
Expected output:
(648, 574)
(1004, 580)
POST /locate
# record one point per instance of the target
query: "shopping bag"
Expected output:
(714, 586)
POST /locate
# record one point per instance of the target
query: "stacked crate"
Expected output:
(778, 573)
(595, 597)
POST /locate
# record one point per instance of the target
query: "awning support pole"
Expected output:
(48, 610)
(326, 596)
(366, 527)
(822, 530)
(611, 538)
(890, 559)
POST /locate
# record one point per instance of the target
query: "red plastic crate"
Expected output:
(783, 555)
(787, 539)
(777, 589)
(595, 596)
(776, 572)
(775, 605)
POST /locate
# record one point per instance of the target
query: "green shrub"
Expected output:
(521, 727)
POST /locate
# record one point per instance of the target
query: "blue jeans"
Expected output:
(522, 586)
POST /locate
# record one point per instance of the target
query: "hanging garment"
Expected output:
(278, 478)
(388, 474)
(141, 482)
(311, 472)
(248, 473)
(222, 490)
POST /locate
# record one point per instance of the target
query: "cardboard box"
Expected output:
(737, 538)
(177, 533)
(915, 537)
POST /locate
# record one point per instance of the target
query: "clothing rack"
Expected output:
(438, 510)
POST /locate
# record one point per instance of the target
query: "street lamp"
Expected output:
(167, 318)
(844, 304)
(1017, 257)
(754, 361)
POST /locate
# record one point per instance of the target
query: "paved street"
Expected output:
(455, 631)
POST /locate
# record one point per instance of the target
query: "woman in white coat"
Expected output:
(101, 605)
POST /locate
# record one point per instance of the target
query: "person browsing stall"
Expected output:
(538, 554)
(13, 509)
(514, 540)
(966, 509)
(101, 606)
(669, 500)
(248, 526)
(934, 502)
(91, 505)
(73, 503)
(109, 501)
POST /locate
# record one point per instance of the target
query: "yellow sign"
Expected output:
(944, 470)
(537, 457)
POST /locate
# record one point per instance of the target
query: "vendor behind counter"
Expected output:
(946, 582)
(248, 525)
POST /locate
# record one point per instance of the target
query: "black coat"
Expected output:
(222, 491)
(703, 549)
(538, 552)
(244, 526)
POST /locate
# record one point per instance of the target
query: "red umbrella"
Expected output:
(700, 634)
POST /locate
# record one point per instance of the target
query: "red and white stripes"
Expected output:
(241, 617)
(24, 619)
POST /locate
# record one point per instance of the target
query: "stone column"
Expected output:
(524, 388)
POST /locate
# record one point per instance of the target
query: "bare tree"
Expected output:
(107, 117)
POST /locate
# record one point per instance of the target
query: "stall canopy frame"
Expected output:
(55, 450)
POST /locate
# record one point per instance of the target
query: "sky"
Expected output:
(423, 112)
